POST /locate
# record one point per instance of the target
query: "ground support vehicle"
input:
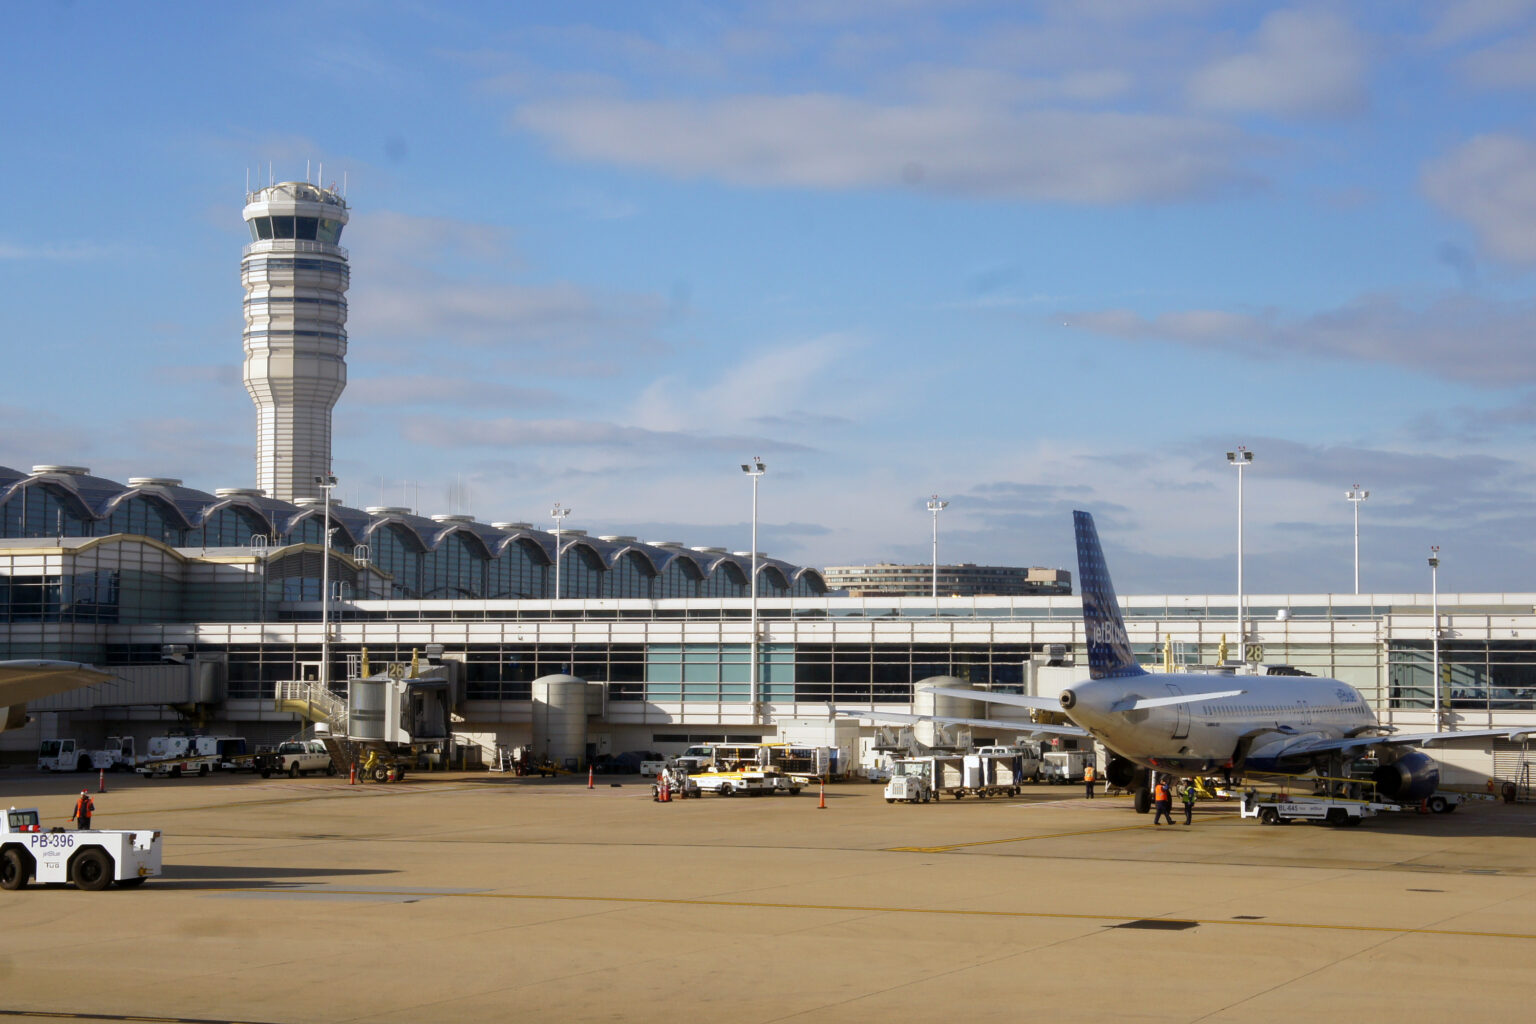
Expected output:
(753, 780)
(1065, 766)
(63, 755)
(175, 767)
(696, 759)
(654, 768)
(90, 858)
(295, 758)
(1280, 809)
(680, 785)
(911, 781)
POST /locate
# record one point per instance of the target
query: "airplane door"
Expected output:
(1181, 714)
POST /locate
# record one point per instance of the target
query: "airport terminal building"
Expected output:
(202, 604)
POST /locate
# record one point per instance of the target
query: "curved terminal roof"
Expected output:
(89, 500)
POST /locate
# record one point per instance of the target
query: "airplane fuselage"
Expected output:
(1252, 729)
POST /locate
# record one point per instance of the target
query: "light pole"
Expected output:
(558, 513)
(1356, 496)
(936, 506)
(1241, 458)
(327, 484)
(755, 469)
(1434, 604)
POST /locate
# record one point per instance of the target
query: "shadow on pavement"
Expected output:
(220, 876)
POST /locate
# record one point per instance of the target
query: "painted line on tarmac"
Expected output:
(1048, 835)
(1376, 929)
(60, 1015)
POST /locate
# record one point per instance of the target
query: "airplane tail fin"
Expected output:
(1109, 649)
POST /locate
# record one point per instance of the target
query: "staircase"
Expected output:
(314, 703)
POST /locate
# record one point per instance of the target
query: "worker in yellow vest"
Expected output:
(1089, 773)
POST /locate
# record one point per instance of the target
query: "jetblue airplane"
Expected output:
(21, 681)
(1188, 724)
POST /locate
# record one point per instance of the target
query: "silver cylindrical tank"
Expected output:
(560, 719)
(940, 705)
(365, 708)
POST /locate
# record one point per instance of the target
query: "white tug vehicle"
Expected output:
(90, 858)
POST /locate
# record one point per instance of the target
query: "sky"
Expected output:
(1028, 257)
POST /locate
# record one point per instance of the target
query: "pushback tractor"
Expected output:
(89, 858)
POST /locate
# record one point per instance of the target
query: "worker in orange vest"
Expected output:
(1088, 779)
(1162, 803)
(84, 808)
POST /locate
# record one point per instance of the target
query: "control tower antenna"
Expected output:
(295, 275)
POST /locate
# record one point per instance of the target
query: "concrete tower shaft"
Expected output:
(295, 276)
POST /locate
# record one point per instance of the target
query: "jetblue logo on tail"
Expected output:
(1109, 649)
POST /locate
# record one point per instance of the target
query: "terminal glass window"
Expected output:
(305, 228)
(38, 510)
(329, 231)
(230, 527)
(581, 571)
(261, 228)
(630, 576)
(397, 552)
(679, 579)
(282, 227)
(521, 570)
(144, 517)
(455, 568)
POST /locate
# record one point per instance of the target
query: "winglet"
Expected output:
(1109, 649)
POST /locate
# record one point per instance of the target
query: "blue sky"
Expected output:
(1029, 256)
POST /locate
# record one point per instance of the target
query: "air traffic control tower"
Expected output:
(295, 275)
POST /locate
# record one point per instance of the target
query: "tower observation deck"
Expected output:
(295, 276)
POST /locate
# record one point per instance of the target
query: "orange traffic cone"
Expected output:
(101, 781)
(822, 804)
(589, 776)
(352, 775)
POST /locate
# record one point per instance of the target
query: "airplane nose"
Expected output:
(1068, 700)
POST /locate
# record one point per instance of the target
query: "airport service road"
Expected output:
(484, 898)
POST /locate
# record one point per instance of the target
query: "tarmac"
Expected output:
(480, 897)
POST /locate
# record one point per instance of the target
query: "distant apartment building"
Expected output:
(966, 580)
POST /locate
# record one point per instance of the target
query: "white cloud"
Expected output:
(1510, 64)
(1460, 337)
(1466, 19)
(764, 386)
(826, 141)
(431, 280)
(1302, 63)
(1490, 182)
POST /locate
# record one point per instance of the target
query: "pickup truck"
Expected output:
(295, 758)
(90, 858)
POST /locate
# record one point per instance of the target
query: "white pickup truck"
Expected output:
(92, 858)
(295, 758)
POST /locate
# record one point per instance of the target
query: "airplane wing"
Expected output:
(981, 723)
(1017, 700)
(1359, 744)
(21, 681)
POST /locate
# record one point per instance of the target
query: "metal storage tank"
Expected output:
(939, 704)
(560, 719)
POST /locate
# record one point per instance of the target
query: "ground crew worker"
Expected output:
(83, 810)
(1162, 803)
(1088, 774)
(1189, 802)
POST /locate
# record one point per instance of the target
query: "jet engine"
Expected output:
(1409, 779)
(1120, 772)
(13, 717)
